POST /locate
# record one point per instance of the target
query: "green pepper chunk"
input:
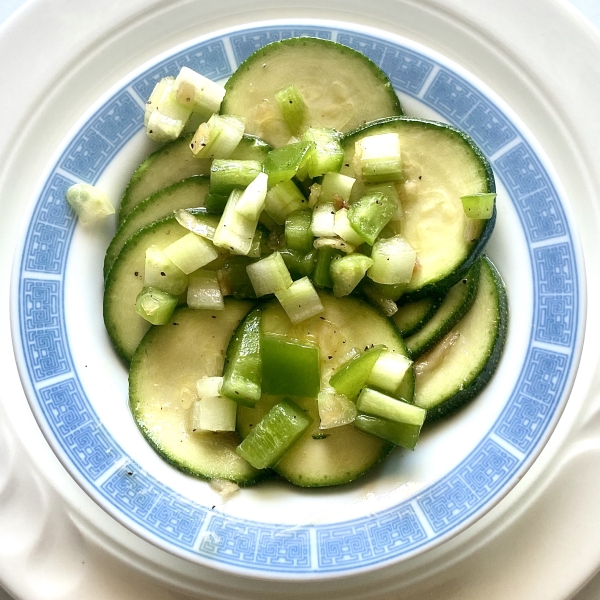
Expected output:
(353, 375)
(288, 161)
(370, 214)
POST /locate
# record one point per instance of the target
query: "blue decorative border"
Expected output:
(412, 525)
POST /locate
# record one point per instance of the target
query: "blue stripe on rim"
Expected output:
(414, 524)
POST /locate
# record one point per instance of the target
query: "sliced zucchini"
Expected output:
(341, 454)
(341, 88)
(125, 281)
(174, 162)
(188, 193)
(412, 316)
(462, 364)
(440, 165)
(162, 384)
(456, 303)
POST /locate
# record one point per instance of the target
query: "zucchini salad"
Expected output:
(298, 281)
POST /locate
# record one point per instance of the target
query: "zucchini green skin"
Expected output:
(188, 193)
(413, 316)
(457, 302)
(162, 383)
(478, 178)
(342, 454)
(491, 298)
(326, 74)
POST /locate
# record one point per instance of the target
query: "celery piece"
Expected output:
(161, 88)
(155, 305)
(298, 234)
(252, 201)
(381, 405)
(215, 203)
(213, 413)
(162, 273)
(90, 203)
(164, 117)
(242, 371)
(388, 372)
(322, 271)
(335, 410)
(198, 224)
(234, 231)
(233, 278)
(227, 175)
(323, 220)
(299, 265)
(342, 227)
(370, 214)
(394, 260)
(274, 434)
(286, 162)
(204, 291)
(347, 272)
(163, 129)
(405, 435)
(208, 386)
(197, 92)
(259, 243)
(292, 107)
(479, 206)
(269, 275)
(218, 137)
(289, 368)
(283, 199)
(335, 242)
(328, 156)
(336, 187)
(351, 377)
(300, 301)
(191, 252)
(380, 157)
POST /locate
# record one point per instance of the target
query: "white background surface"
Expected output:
(591, 9)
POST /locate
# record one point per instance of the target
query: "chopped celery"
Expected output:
(242, 372)
(380, 158)
(335, 410)
(336, 187)
(479, 206)
(162, 273)
(252, 201)
(370, 214)
(235, 232)
(274, 435)
(213, 413)
(90, 203)
(165, 118)
(381, 405)
(233, 277)
(328, 155)
(259, 243)
(343, 228)
(292, 107)
(204, 291)
(208, 386)
(155, 305)
(218, 137)
(283, 199)
(353, 375)
(299, 265)
(202, 227)
(300, 301)
(336, 243)
(323, 220)
(394, 260)
(197, 92)
(347, 272)
(288, 161)
(191, 252)
(227, 175)
(289, 368)
(298, 233)
(388, 372)
(161, 88)
(269, 275)
(405, 435)
(322, 272)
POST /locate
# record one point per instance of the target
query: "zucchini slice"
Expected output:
(188, 193)
(341, 88)
(440, 164)
(126, 279)
(413, 316)
(162, 386)
(341, 454)
(174, 162)
(462, 364)
(457, 302)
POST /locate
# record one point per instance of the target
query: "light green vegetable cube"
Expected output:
(191, 252)
(90, 203)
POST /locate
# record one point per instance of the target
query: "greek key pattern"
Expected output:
(51, 228)
(246, 43)
(344, 545)
(467, 108)
(528, 412)
(65, 406)
(105, 134)
(554, 313)
(43, 338)
(407, 70)
(208, 59)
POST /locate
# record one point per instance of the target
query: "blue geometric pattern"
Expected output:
(411, 525)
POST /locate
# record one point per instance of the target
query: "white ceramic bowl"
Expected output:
(77, 386)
